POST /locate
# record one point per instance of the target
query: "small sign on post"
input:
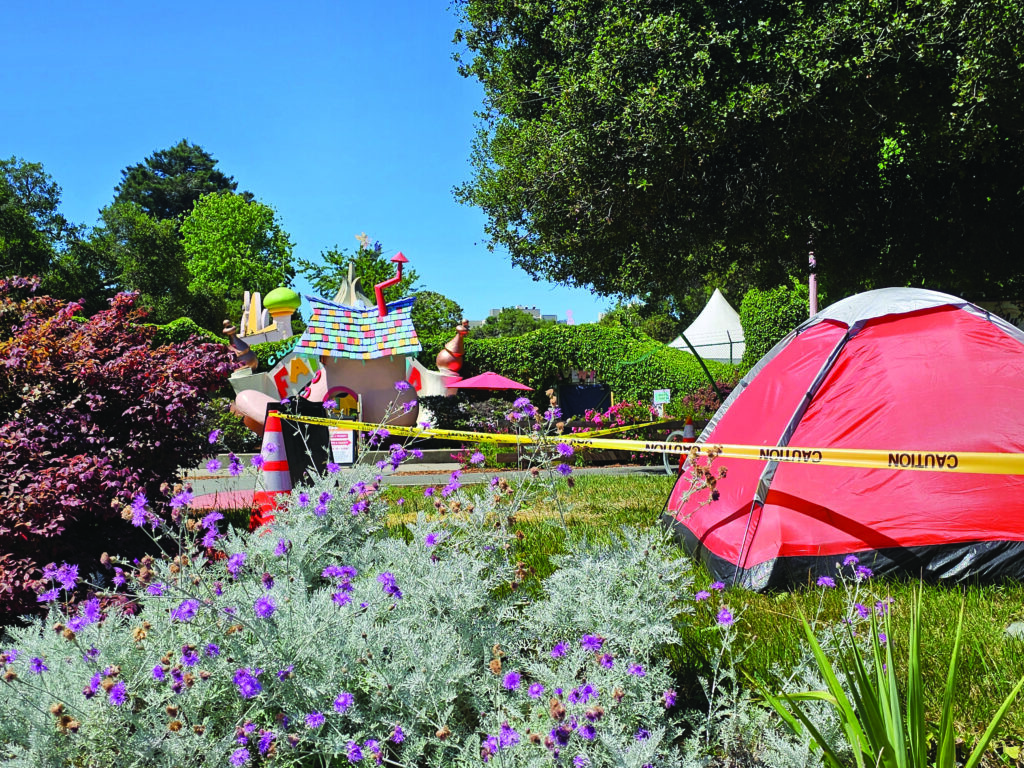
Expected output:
(342, 446)
(661, 398)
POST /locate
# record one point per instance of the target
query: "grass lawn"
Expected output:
(991, 662)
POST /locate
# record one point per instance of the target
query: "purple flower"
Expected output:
(182, 499)
(826, 581)
(401, 386)
(330, 405)
(286, 401)
(235, 467)
(214, 436)
(343, 701)
(862, 610)
(592, 643)
(189, 657)
(158, 673)
(417, 453)
(564, 449)
(429, 491)
(117, 695)
(431, 539)
(583, 694)
(587, 731)
(264, 606)
(536, 691)
(268, 581)
(406, 407)
(477, 458)
(387, 582)
(118, 577)
(354, 753)
(558, 651)
(397, 735)
(488, 748)
(581, 761)
(511, 681)
(643, 734)
(314, 720)
(239, 757)
(332, 468)
(248, 685)
(725, 617)
(374, 746)
(266, 739)
(186, 611)
(303, 499)
(91, 655)
(257, 461)
(93, 687)
(213, 465)
(284, 674)
(139, 511)
(235, 563)
(564, 470)
(851, 560)
(37, 666)
(718, 586)
(282, 548)
(606, 660)
(702, 596)
(507, 736)
(670, 698)
(554, 413)
(360, 506)
(49, 596)
(156, 589)
(863, 572)
(212, 649)
(636, 669)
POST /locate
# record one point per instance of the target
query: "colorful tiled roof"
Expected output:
(359, 333)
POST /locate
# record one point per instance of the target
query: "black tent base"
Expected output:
(972, 561)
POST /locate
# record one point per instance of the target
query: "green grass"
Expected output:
(991, 662)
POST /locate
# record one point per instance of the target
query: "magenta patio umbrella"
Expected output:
(489, 380)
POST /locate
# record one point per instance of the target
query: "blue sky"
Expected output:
(344, 116)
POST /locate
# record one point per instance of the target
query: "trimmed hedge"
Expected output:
(767, 316)
(181, 330)
(632, 364)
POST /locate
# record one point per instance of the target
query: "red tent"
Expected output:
(893, 369)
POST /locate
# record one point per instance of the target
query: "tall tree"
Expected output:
(232, 246)
(637, 146)
(510, 321)
(371, 267)
(169, 182)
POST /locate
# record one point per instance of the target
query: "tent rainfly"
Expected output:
(919, 374)
(716, 334)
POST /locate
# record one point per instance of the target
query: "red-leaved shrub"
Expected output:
(90, 416)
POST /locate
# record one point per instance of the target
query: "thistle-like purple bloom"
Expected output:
(387, 582)
(257, 461)
(158, 673)
(235, 467)
(118, 577)
(182, 499)
(235, 563)
(863, 572)
(643, 734)
(240, 757)
(401, 386)
(511, 681)
(718, 586)
(587, 731)
(429, 491)
(398, 735)
(431, 539)
(851, 560)
(212, 649)
(592, 643)
(186, 611)
(282, 548)
(566, 450)
(248, 685)
(67, 575)
(507, 736)
(213, 465)
(583, 694)
(354, 753)
(189, 657)
(536, 691)
(343, 701)
(314, 720)
(266, 739)
(214, 436)
(117, 695)
(826, 581)
(862, 610)
(558, 651)
(333, 468)
(606, 660)
(477, 458)
(670, 698)
(725, 617)
(264, 606)
(564, 470)
(637, 670)
(49, 596)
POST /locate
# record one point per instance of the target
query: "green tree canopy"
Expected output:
(434, 314)
(510, 321)
(651, 319)
(232, 246)
(637, 146)
(371, 267)
(169, 182)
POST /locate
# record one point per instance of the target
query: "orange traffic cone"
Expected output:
(275, 477)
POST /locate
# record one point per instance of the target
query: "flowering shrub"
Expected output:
(622, 413)
(318, 637)
(701, 403)
(90, 417)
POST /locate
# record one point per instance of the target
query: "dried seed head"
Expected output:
(171, 710)
(67, 634)
(443, 732)
(57, 709)
(198, 729)
(174, 725)
(556, 709)
(495, 666)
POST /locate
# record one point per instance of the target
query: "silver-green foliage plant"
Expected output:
(320, 639)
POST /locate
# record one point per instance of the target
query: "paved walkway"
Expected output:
(219, 489)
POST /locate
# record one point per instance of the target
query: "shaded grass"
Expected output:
(598, 506)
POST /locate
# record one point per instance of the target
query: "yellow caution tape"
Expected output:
(864, 458)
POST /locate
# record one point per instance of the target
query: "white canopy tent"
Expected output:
(716, 334)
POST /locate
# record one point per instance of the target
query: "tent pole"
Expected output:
(714, 384)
